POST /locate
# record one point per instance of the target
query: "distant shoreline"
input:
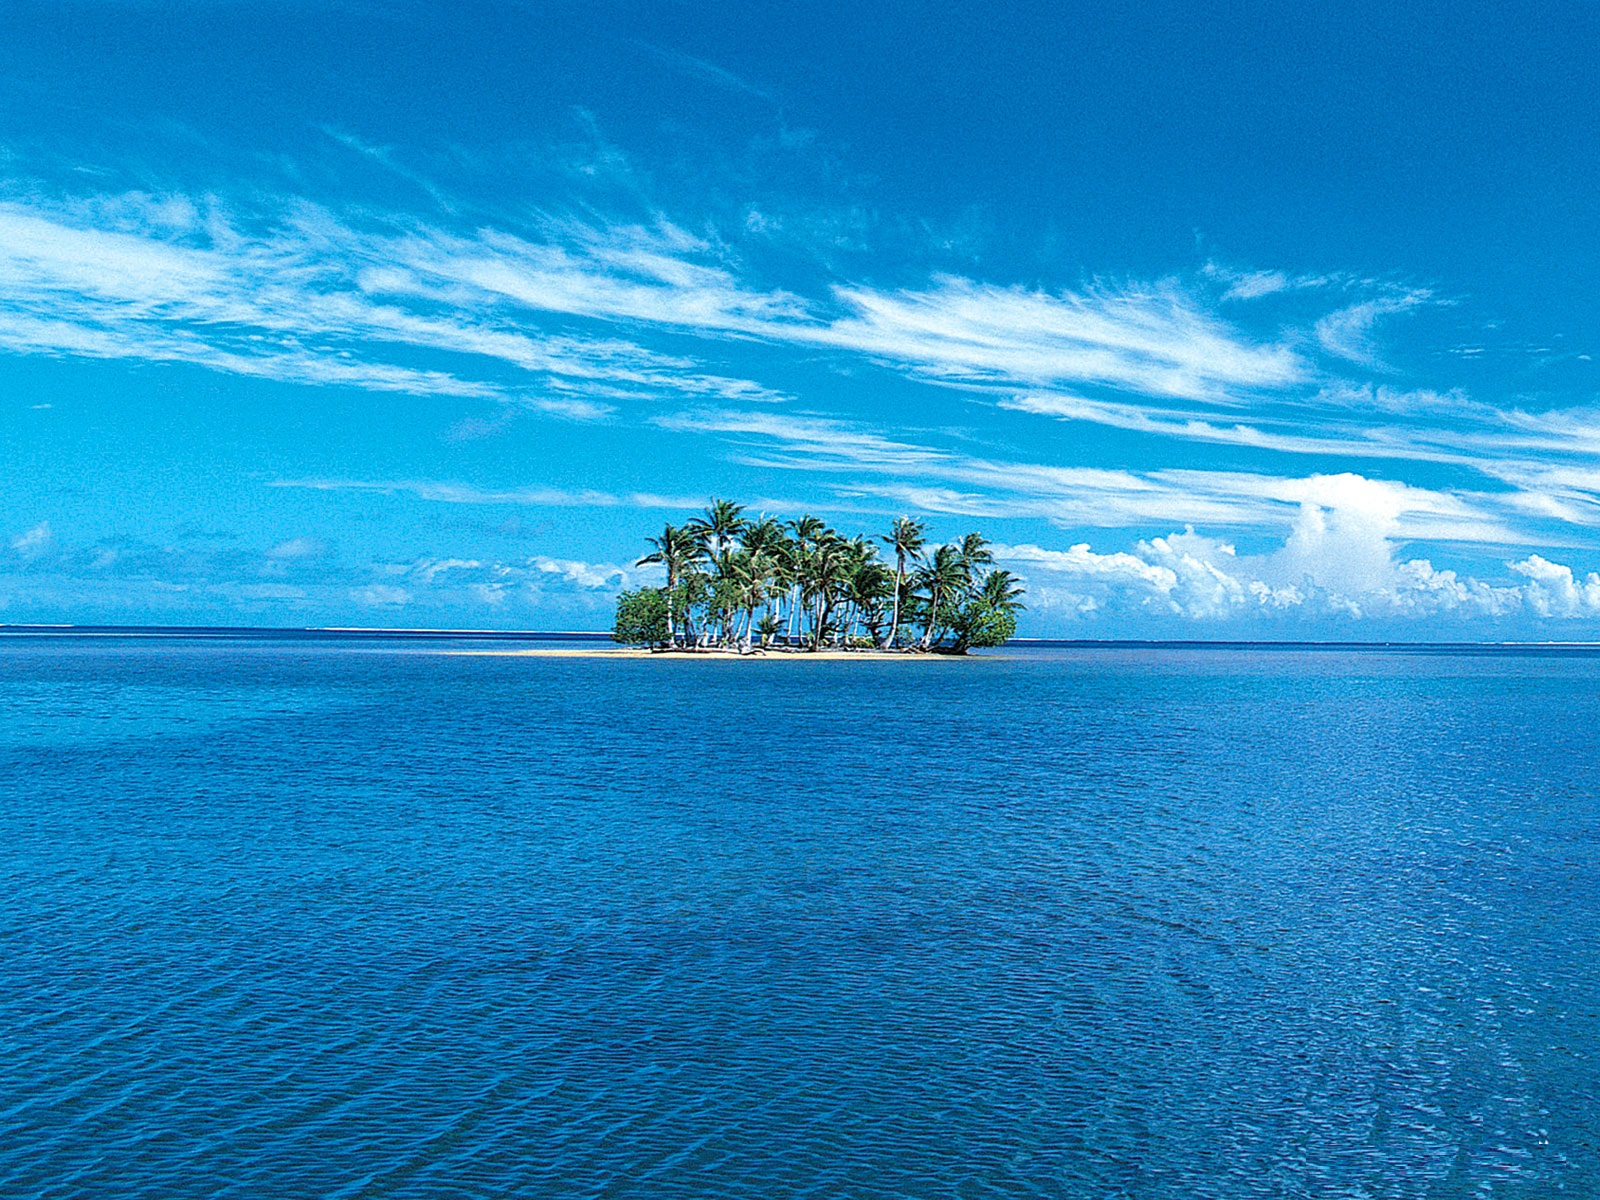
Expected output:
(719, 655)
(309, 633)
(597, 639)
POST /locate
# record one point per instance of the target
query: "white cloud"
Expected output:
(1340, 562)
(297, 548)
(459, 493)
(1252, 285)
(545, 311)
(1256, 284)
(34, 541)
(1083, 562)
(943, 481)
(814, 442)
(494, 581)
(1154, 340)
(294, 293)
(1349, 332)
(1554, 591)
(583, 574)
(381, 595)
(430, 569)
(1332, 438)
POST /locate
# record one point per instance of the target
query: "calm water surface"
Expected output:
(342, 920)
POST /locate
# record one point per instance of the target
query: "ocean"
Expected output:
(357, 918)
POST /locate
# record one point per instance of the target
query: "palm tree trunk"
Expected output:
(899, 582)
(672, 632)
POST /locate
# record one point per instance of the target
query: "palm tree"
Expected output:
(762, 536)
(753, 572)
(1000, 591)
(870, 585)
(729, 575)
(944, 578)
(720, 527)
(677, 550)
(808, 533)
(829, 569)
(768, 547)
(718, 533)
(906, 537)
(988, 618)
(973, 550)
(785, 578)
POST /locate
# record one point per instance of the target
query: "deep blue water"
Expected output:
(341, 920)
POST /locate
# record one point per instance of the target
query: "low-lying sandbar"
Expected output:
(712, 655)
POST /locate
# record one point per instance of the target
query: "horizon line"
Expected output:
(332, 632)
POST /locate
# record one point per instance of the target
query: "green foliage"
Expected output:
(641, 618)
(726, 594)
(800, 583)
(981, 623)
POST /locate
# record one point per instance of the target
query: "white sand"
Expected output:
(712, 655)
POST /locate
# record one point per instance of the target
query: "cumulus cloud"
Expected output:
(582, 574)
(1183, 575)
(1340, 562)
(1553, 590)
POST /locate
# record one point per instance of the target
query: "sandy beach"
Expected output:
(711, 655)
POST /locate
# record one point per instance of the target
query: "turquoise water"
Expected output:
(334, 919)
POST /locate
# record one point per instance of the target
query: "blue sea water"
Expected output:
(349, 919)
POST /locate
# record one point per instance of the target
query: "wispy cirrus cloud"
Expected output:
(585, 316)
(1153, 340)
(32, 541)
(293, 290)
(459, 493)
(946, 481)
(1244, 284)
(1281, 432)
(706, 72)
(296, 294)
(1350, 332)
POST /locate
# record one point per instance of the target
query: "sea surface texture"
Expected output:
(367, 919)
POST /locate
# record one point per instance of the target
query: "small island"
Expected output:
(748, 586)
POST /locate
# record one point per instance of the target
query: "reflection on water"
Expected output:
(330, 920)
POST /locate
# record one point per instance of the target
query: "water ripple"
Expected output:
(299, 921)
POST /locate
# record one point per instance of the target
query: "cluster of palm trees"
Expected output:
(737, 582)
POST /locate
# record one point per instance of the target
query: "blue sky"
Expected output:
(1220, 320)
